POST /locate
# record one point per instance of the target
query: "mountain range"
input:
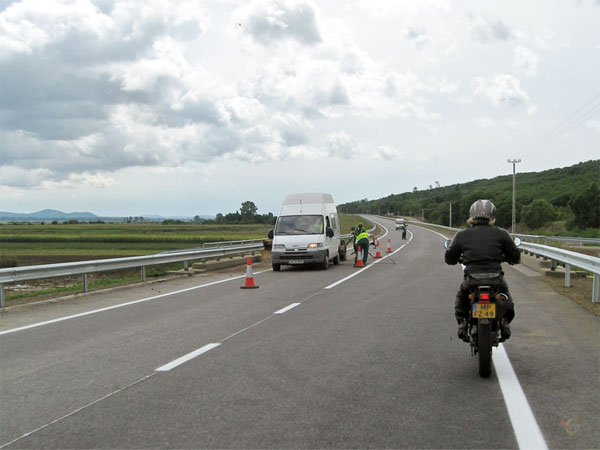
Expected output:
(52, 214)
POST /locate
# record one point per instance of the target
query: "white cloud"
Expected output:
(594, 125)
(486, 122)
(484, 30)
(501, 89)
(107, 88)
(526, 61)
(82, 180)
(270, 22)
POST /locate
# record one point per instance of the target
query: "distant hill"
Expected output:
(47, 215)
(556, 186)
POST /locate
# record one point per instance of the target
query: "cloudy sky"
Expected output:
(133, 107)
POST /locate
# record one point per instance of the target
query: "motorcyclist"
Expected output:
(481, 248)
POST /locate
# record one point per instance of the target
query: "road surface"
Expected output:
(338, 358)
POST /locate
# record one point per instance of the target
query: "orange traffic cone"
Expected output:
(378, 253)
(359, 258)
(389, 249)
(249, 283)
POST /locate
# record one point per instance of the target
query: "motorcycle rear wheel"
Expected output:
(484, 348)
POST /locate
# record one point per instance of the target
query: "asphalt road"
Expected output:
(343, 358)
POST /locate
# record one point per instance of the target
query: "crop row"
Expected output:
(112, 239)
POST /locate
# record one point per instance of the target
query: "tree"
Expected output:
(248, 211)
(538, 213)
(586, 207)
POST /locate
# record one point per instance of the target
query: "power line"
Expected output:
(587, 111)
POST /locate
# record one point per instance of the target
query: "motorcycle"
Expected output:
(487, 307)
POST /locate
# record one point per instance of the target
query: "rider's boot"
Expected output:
(462, 330)
(504, 330)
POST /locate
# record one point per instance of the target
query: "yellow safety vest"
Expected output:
(363, 235)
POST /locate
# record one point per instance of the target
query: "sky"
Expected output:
(184, 108)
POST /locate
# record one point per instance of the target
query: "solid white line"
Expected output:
(287, 308)
(186, 358)
(527, 431)
(74, 316)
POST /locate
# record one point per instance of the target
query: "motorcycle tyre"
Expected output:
(484, 348)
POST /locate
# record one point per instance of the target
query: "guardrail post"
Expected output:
(553, 265)
(1, 296)
(567, 275)
(185, 266)
(143, 274)
(595, 288)
(84, 282)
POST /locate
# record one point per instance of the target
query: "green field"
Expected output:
(54, 243)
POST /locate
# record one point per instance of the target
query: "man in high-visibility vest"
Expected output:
(361, 239)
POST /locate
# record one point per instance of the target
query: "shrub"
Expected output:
(538, 213)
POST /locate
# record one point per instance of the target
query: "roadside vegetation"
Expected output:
(562, 201)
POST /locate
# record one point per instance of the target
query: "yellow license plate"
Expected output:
(484, 310)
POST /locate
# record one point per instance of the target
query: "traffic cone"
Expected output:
(389, 249)
(359, 258)
(378, 253)
(249, 283)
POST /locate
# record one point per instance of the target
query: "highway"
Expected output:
(338, 358)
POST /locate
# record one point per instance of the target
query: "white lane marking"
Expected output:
(287, 308)
(121, 305)
(186, 358)
(337, 283)
(527, 431)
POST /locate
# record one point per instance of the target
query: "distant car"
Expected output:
(399, 223)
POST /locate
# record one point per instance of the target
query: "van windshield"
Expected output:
(312, 224)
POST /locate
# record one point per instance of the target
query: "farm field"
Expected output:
(57, 243)
(33, 244)
(42, 244)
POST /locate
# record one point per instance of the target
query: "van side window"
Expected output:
(335, 225)
(327, 224)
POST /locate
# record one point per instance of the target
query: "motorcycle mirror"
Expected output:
(447, 243)
(517, 241)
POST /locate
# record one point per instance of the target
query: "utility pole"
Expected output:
(514, 199)
(450, 216)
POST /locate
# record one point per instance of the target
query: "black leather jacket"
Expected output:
(483, 247)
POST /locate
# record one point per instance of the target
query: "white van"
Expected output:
(307, 231)
(399, 223)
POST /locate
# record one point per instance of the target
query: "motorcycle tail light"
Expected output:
(497, 297)
(484, 296)
(471, 296)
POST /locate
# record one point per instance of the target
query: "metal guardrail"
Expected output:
(545, 239)
(568, 258)
(27, 273)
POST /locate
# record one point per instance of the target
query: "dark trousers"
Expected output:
(462, 303)
(364, 245)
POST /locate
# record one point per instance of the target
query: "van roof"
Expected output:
(295, 199)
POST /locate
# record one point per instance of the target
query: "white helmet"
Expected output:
(482, 209)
